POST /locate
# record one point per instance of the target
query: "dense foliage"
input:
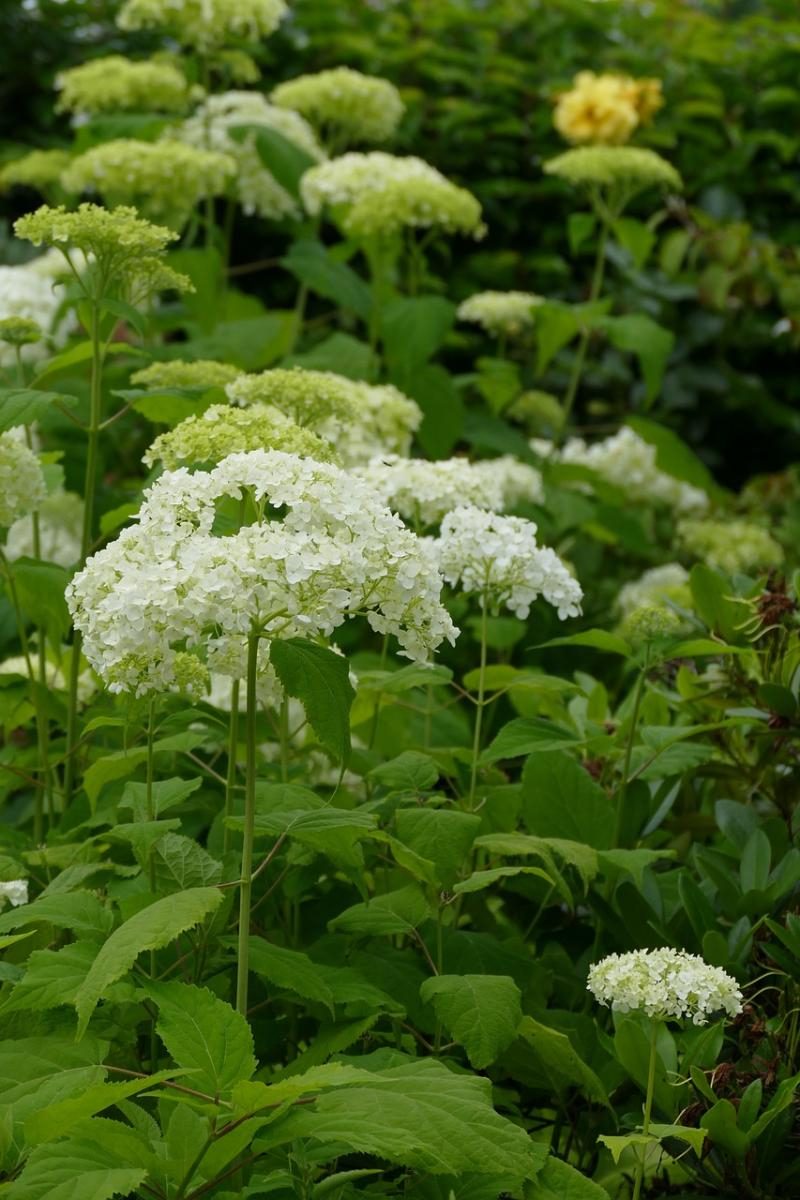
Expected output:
(399, 641)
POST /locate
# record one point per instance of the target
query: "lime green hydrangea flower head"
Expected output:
(205, 24)
(222, 430)
(19, 331)
(163, 180)
(255, 187)
(651, 621)
(126, 251)
(118, 84)
(379, 194)
(310, 398)
(504, 313)
(177, 373)
(345, 106)
(730, 545)
(22, 485)
(40, 170)
(606, 166)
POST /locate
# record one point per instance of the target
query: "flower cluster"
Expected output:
(505, 313)
(606, 108)
(163, 180)
(256, 188)
(60, 529)
(519, 482)
(659, 584)
(203, 373)
(422, 492)
(381, 194)
(15, 891)
(127, 250)
(27, 294)
(222, 430)
(40, 170)
(20, 331)
(500, 559)
(729, 545)
(322, 549)
(205, 24)
(344, 105)
(118, 84)
(628, 167)
(22, 485)
(664, 984)
(629, 462)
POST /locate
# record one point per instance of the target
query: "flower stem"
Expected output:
(246, 881)
(648, 1108)
(151, 863)
(583, 343)
(476, 740)
(230, 781)
(626, 767)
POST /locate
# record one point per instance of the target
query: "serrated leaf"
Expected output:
(480, 880)
(290, 969)
(556, 1060)
(481, 1012)
(74, 1170)
(56, 1120)
(557, 1180)
(23, 406)
(166, 794)
(594, 639)
(205, 1035)
(410, 771)
(441, 836)
(52, 978)
(320, 680)
(638, 334)
(76, 355)
(413, 328)
(560, 799)
(253, 1096)
(315, 266)
(524, 735)
(81, 912)
(40, 590)
(400, 911)
(181, 863)
(150, 929)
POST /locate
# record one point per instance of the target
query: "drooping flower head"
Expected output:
(664, 984)
(40, 170)
(499, 559)
(203, 373)
(628, 462)
(114, 83)
(422, 492)
(505, 313)
(379, 194)
(256, 188)
(319, 548)
(606, 109)
(22, 484)
(163, 180)
(344, 106)
(205, 24)
(730, 545)
(222, 430)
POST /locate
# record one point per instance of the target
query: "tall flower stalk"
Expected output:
(246, 877)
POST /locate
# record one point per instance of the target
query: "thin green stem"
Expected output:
(246, 881)
(40, 733)
(648, 1108)
(583, 343)
(481, 703)
(626, 766)
(230, 781)
(151, 862)
(283, 728)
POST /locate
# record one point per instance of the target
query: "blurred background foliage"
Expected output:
(720, 267)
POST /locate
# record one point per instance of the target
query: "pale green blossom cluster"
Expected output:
(730, 545)
(344, 105)
(171, 585)
(20, 331)
(629, 167)
(379, 194)
(499, 559)
(628, 462)
(114, 83)
(519, 482)
(646, 604)
(507, 314)
(22, 485)
(60, 529)
(39, 169)
(222, 430)
(255, 187)
(422, 492)
(205, 24)
(28, 293)
(203, 373)
(163, 180)
(664, 984)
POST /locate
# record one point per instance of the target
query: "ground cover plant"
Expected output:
(399, 656)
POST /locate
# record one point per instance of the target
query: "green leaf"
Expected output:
(635, 237)
(55, 1120)
(435, 391)
(283, 158)
(75, 1170)
(483, 879)
(526, 735)
(694, 1137)
(755, 862)
(442, 836)
(166, 794)
(413, 329)
(82, 353)
(315, 266)
(410, 771)
(557, 1061)
(341, 353)
(181, 863)
(560, 799)
(320, 680)
(79, 911)
(52, 978)
(711, 594)
(556, 325)
(23, 406)
(721, 1125)
(617, 1144)
(575, 854)
(580, 226)
(481, 1012)
(40, 589)
(205, 1035)
(400, 911)
(557, 1180)
(291, 970)
(150, 929)
(252, 1097)
(595, 639)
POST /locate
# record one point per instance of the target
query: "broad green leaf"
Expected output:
(635, 862)
(481, 1012)
(687, 1133)
(75, 356)
(557, 1180)
(252, 1096)
(79, 911)
(443, 415)
(714, 601)
(617, 1144)
(410, 771)
(315, 266)
(525, 735)
(283, 158)
(290, 969)
(580, 226)
(575, 854)
(400, 911)
(181, 863)
(166, 794)
(754, 864)
(638, 334)
(320, 680)
(636, 237)
(75, 1170)
(594, 639)
(52, 978)
(23, 406)
(150, 929)
(341, 353)
(51, 1123)
(722, 1128)
(122, 763)
(205, 1035)
(556, 1060)
(27, 1064)
(413, 328)
(40, 589)
(443, 836)
(483, 879)
(556, 325)
(560, 799)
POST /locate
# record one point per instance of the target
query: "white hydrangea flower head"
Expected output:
(60, 531)
(324, 549)
(667, 582)
(379, 194)
(28, 291)
(344, 105)
(163, 180)
(627, 461)
(422, 492)
(223, 429)
(519, 482)
(730, 545)
(256, 188)
(56, 677)
(15, 891)
(499, 558)
(22, 484)
(507, 314)
(205, 24)
(114, 83)
(664, 984)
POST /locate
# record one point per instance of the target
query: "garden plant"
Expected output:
(399, 617)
